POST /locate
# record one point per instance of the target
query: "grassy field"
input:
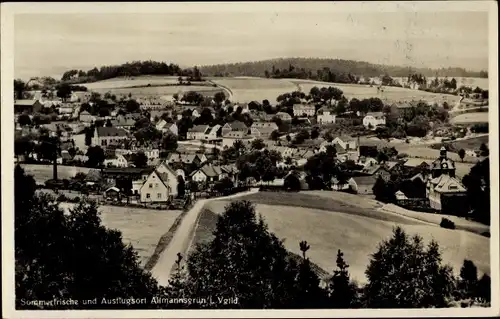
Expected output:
(140, 227)
(162, 90)
(247, 89)
(42, 173)
(472, 143)
(355, 234)
(122, 82)
(471, 118)
(391, 94)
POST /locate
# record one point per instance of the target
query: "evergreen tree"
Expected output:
(342, 292)
(467, 283)
(484, 288)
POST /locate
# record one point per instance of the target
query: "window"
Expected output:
(148, 195)
(150, 185)
(159, 195)
(156, 185)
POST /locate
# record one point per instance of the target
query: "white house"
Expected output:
(86, 117)
(325, 116)
(347, 142)
(165, 127)
(117, 161)
(160, 186)
(304, 109)
(373, 119)
(213, 133)
(208, 173)
(104, 136)
(197, 132)
(444, 186)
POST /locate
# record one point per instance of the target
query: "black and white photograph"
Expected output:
(331, 158)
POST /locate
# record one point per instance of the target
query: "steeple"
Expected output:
(442, 152)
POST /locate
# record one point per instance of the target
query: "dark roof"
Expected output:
(199, 128)
(128, 170)
(110, 131)
(238, 126)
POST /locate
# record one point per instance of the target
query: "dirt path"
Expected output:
(182, 239)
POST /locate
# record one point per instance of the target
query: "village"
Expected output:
(162, 152)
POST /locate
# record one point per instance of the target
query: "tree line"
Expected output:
(337, 66)
(129, 69)
(244, 263)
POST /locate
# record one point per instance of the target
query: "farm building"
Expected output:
(236, 126)
(196, 159)
(208, 173)
(165, 127)
(197, 132)
(28, 106)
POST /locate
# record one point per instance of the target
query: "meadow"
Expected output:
(247, 89)
(471, 118)
(390, 94)
(123, 82)
(161, 90)
(334, 227)
(142, 228)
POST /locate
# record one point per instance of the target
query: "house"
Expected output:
(112, 193)
(86, 117)
(230, 138)
(116, 161)
(270, 125)
(83, 97)
(303, 110)
(151, 153)
(230, 171)
(213, 133)
(104, 136)
(159, 187)
(208, 173)
(165, 127)
(28, 106)
(65, 110)
(373, 119)
(197, 132)
(235, 126)
(325, 116)
(124, 121)
(263, 132)
(367, 162)
(196, 159)
(348, 143)
(285, 117)
(448, 195)
(472, 153)
(81, 158)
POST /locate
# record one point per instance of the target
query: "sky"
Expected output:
(48, 44)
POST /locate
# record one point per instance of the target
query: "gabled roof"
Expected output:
(238, 126)
(110, 131)
(94, 175)
(199, 129)
(446, 184)
(25, 102)
(209, 170)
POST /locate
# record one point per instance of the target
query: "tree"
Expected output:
(140, 159)
(131, 106)
(342, 292)
(275, 135)
(96, 156)
(53, 249)
(89, 134)
(181, 187)
(484, 288)
(224, 186)
(404, 274)
(64, 91)
(257, 144)
(24, 120)
(19, 88)
(292, 182)
(219, 97)
(315, 133)
(169, 142)
(467, 283)
(382, 157)
(108, 123)
(484, 150)
(243, 260)
(461, 153)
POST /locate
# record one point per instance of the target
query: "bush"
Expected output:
(76, 199)
(446, 223)
(62, 198)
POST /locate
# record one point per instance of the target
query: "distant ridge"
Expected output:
(360, 68)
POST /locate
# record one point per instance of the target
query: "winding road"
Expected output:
(183, 237)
